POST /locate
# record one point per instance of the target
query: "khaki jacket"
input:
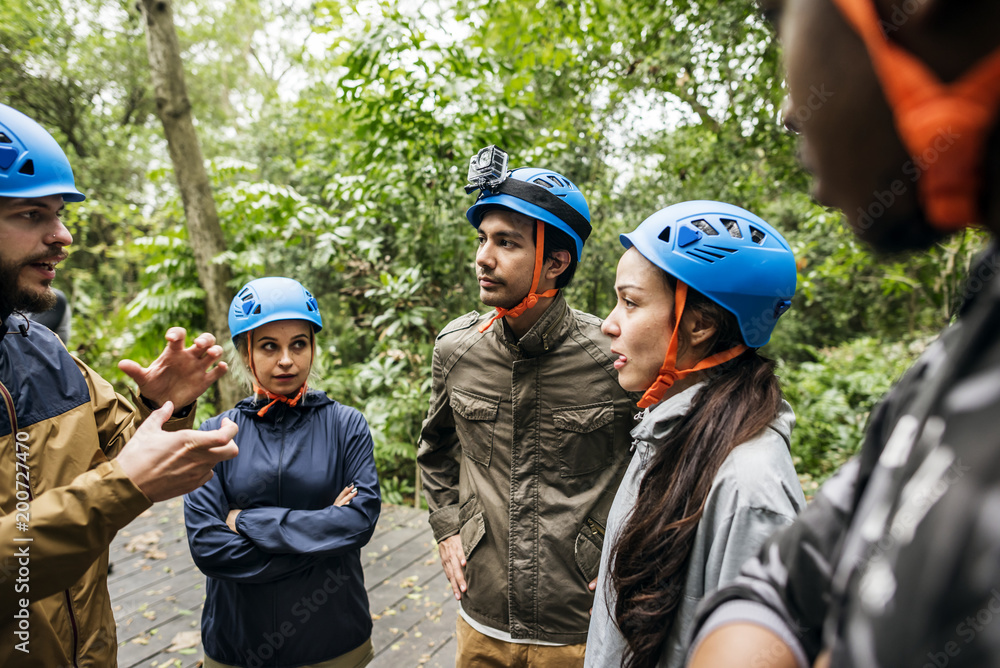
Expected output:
(60, 425)
(521, 453)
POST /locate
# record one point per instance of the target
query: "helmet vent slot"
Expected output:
(705, 227)
(708, 252)
(551, 181)
(732, 227)
(4, 139)
(256, 311)
(757, 236)
(28, 168)
(246, 298)
(664, 236)
(722, 249)
(702, 255)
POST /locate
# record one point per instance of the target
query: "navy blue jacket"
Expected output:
(288, 589)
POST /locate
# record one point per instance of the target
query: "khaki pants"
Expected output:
(476, 650)
(356, 658)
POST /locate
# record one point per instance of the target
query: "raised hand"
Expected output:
(165, 464)
(179, 375)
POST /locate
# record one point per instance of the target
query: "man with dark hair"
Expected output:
(897, 560)
(527, 434)
(76, 464)
(556, 241)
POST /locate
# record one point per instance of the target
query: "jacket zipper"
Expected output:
(9, 401)
(72, 620)
(595, 527)
(281, 453)
(281, 460)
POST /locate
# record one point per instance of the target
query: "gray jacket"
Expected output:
(522, 450)
(755, 491)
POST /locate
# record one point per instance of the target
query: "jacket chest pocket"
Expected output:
(475, 421)
(586, 437)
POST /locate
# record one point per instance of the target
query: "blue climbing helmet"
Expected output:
(265, 300)
(726, 253)
(32, 164)
(540, 194)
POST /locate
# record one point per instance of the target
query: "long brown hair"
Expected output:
(738, 400)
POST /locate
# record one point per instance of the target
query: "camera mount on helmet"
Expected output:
(487, 169)
(538, 193)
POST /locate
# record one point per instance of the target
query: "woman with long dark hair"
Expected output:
(700, 288)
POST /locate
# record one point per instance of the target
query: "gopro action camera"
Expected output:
(487, 169)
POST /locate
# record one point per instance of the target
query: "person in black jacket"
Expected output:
(897, 560)
(281, 548)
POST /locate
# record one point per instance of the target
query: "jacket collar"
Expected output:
(548, 332)
(658, 420)
(312, 399)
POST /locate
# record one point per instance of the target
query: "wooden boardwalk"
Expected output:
(157, 593)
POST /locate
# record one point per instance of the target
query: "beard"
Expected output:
(13, 298)
(893, 236)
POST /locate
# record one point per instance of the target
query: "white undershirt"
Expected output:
(497, 634)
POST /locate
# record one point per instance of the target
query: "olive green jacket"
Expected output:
(521, 453)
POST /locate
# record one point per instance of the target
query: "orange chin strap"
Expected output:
(943, 126)
(275, 398)
(669, 373)
(532, 297)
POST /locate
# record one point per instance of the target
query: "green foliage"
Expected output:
(338, 137)
(832, 395)
(845, 292)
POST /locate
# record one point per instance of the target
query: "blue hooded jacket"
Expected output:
(288, 589)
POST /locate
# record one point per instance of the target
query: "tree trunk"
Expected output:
(204, 231)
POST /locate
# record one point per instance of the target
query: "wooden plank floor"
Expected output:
(157, 593)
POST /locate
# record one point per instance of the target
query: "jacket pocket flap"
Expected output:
(588, 555)
(472, 532)
(474, 406)
(584, 419)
